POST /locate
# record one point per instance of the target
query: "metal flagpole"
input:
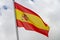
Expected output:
(16, 24)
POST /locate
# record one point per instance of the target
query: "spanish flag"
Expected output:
(30, 20)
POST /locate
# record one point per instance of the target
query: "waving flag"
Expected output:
(30, 20)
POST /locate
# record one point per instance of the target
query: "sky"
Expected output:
(7, 20)
(49, 10)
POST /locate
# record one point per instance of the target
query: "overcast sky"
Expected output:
(49, 10)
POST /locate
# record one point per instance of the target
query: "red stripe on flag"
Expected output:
(24, 9)
(29, 26)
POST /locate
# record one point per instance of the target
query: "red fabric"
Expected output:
(31, 27)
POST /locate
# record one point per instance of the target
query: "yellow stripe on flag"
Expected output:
(33, 19)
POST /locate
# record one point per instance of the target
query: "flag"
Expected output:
(30, 20)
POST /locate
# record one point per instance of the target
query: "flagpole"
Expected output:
(16, 24)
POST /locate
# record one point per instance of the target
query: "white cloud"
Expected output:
(7, 21)
(49, 10)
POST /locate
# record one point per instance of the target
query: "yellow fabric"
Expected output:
(33, 19)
